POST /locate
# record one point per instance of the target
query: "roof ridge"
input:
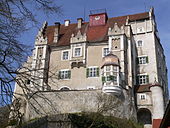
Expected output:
(108, 18)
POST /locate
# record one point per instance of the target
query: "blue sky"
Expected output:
(73, 9)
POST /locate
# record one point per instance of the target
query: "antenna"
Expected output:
(84, 13)
(145, 5)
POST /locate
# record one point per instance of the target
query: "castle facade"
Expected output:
(109, 54)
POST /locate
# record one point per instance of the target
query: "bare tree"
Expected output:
(14, 17)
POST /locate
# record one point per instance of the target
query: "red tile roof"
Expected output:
(142, 88)
(156, 123)
(94, 33)
(166, 118)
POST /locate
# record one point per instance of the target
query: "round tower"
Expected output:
(157, 101)
(111, 74)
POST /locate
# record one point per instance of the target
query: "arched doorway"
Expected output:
(144, 116)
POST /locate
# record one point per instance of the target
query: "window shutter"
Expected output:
(147, 78)
(87, 72)
(103, 79)
(69, 74)
(137, 80)
(137, 60)
(59, 75)
(147, 59)
(97, 71)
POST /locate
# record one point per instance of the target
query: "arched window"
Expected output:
(144, 116)
(65, 88)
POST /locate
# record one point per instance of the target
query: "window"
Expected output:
(40, 52)
(105, 51)
(140, 30)
(139, 43)
(64, 74)
(142, 60)
(143, 79)
(110, 78)
(93, 72)
(65, 55)
(108, 68)
(115, 68)
(77, 52)
(143, 96)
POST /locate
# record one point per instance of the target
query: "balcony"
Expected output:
(117, 90)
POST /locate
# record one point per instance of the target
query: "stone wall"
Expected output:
(59, 102)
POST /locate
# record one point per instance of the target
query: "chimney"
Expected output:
(56, 32)
(66, 22)
(151, 13)
(79, 20)
(127, 20)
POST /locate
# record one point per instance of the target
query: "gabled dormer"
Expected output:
(79, 37)
(40, 60)
(78, 49)
(116, 30)
(41, 38)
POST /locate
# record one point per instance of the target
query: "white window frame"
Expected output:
(64, 70)
(142, 59)
(103, 51)
(62, 55)
(140, 44)
(142, 79)
(80, 52)
(142, 96)
(108, 68)
(93, 74)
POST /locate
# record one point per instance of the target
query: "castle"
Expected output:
(111, 55)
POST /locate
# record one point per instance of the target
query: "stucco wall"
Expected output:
(147, 49)
(78, 80)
